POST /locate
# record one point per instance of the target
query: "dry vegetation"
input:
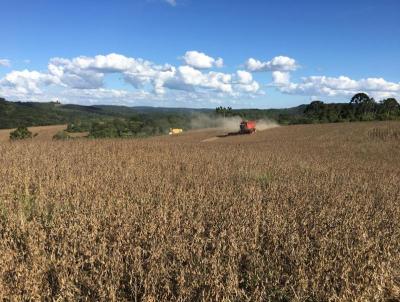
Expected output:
(302, 213)
(44, 133)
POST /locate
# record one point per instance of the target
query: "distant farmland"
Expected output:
(44, 133)
(302, 213)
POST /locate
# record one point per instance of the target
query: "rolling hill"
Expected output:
(14, 114)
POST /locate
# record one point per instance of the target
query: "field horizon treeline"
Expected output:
(120, 121)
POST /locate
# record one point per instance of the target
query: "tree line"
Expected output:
(360, 108)
(142, 125)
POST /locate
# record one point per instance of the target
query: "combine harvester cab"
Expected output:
(247, 127)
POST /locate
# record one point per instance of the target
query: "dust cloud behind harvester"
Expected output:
(229, 124)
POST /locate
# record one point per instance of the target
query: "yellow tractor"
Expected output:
(175, 131)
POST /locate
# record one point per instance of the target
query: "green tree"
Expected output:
(224, 111)
(316, 111)
(364, 106)
(389, 108)
(20, 133)
(79, 126)
(360, 98)
(103, 130)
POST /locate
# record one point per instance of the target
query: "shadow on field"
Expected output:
(228, 134)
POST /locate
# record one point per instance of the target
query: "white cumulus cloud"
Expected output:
(244, 77)
(342, 86)
(188, 78)
(279, 63)
(246, 83)
(281, 78)
(85, 78)
(200, 60)
(26, 81)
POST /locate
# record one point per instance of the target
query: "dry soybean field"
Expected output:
(294, 213)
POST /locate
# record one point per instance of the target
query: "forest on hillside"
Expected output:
(119, 121)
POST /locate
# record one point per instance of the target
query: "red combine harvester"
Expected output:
(247, 127)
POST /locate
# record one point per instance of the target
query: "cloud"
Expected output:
(85, 78)
(88, 72)
(200, 60)
(105, 96)
(279, 63)
(244, 77)
(191, 79)
(321, 86)
(27, 82)
(281, 78)
(148, 73)
(245, 82)
(252, 87)
(5, 62)
(341, 86)
(188, 78)
(171, 2)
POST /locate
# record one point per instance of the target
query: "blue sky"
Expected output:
(194, 53)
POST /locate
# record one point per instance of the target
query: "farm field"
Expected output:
(294, 213)
(44, 133)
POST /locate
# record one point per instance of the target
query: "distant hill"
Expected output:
(14, 114)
